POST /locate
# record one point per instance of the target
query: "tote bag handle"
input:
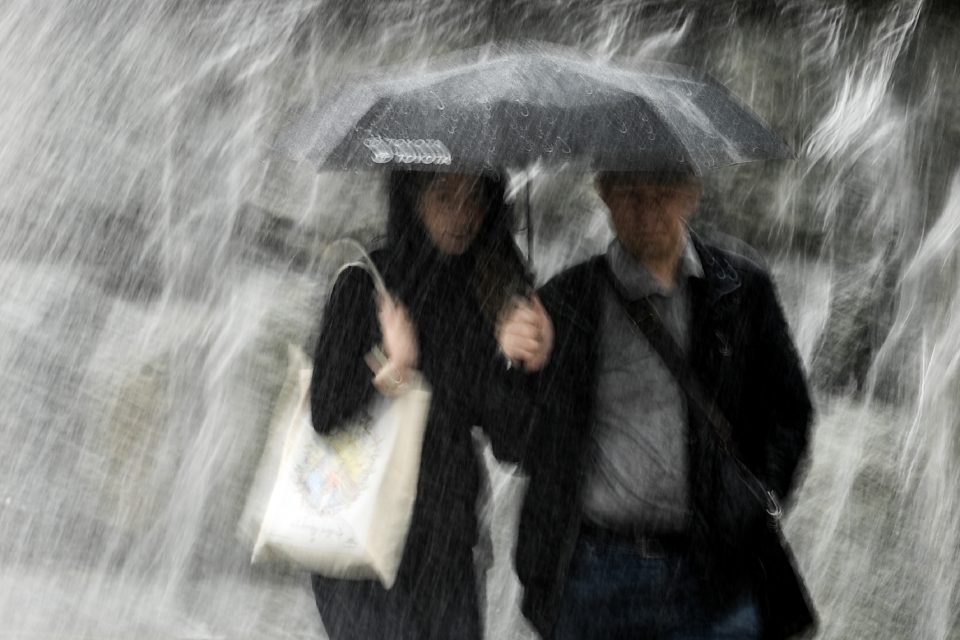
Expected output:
(364, 262)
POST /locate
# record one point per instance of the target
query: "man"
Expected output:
(643, 519)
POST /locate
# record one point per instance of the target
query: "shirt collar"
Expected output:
(638, 282)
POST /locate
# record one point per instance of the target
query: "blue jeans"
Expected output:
(614, 591)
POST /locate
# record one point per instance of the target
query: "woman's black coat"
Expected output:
(434, 596)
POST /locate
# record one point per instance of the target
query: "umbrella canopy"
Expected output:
(509, 109)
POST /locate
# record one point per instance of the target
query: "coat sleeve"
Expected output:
(341, 382)
(509, 412)
(528, 402)
(784, 389)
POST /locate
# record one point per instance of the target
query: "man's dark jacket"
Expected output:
(742, 352)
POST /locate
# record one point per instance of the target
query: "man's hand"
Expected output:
(525, 333)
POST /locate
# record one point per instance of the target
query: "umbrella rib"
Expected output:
(656, 112)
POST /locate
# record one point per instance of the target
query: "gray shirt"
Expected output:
(636, 472)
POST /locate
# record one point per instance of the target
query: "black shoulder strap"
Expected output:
(647, 321)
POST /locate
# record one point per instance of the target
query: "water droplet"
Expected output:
(441, 106)
(524, 111)
(652, 136)
(623, 127)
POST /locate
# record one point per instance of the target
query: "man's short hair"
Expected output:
(673, 177)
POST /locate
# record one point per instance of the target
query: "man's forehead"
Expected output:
(644, 179)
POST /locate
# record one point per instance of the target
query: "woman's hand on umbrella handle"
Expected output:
(525, 333)
(399, 345)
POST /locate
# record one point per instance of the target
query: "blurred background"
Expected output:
(156, 259)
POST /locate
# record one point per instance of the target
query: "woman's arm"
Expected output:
(341, 381)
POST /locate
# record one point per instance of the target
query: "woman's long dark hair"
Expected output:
(491, 264)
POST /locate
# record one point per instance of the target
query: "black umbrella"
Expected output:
(487, 110)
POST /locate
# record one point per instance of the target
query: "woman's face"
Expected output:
(452, 209)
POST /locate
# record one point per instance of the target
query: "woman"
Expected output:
(459, 315)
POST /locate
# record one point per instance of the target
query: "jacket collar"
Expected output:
(580, 299)
(719, 276)
(637, 282)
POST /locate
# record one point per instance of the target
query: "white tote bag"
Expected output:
(339, 504)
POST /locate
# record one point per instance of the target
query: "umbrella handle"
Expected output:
(529, 229)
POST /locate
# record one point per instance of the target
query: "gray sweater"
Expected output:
(636, 473)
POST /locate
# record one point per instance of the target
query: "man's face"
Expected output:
(648, 214)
